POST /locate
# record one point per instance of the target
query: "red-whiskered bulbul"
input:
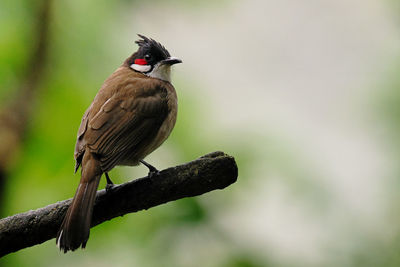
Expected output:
(132, 114)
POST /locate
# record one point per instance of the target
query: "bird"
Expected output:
(132, 114)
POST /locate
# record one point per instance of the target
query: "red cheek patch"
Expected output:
(140, 61)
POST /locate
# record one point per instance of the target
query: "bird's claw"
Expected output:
(110, 184)
(153, 173)
(109, 187)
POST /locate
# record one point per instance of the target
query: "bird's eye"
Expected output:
(147, 57)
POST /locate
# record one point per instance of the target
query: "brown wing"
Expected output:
(125, 124)
(80, 146)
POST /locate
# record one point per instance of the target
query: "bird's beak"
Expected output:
(171, 61)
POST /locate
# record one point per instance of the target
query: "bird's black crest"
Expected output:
(151, 44)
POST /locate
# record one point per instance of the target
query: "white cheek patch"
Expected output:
(161, 71)
(140, 68)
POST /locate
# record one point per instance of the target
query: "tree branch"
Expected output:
(212, 171)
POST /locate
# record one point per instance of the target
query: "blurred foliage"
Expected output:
(81, 57)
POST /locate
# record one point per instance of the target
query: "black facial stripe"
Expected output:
(148, 46)
(153, 48)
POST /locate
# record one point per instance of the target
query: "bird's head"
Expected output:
(152, 59)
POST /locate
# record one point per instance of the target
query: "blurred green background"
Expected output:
(304, 94)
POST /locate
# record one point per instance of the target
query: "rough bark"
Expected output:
(212, 171)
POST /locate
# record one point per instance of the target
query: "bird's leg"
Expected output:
(110, 184)
(152, 170)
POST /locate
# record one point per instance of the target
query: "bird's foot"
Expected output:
(110, 185)
(153, 172)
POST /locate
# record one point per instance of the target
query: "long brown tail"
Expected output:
(74, 230)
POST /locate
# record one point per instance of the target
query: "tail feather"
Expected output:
(74, 230)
